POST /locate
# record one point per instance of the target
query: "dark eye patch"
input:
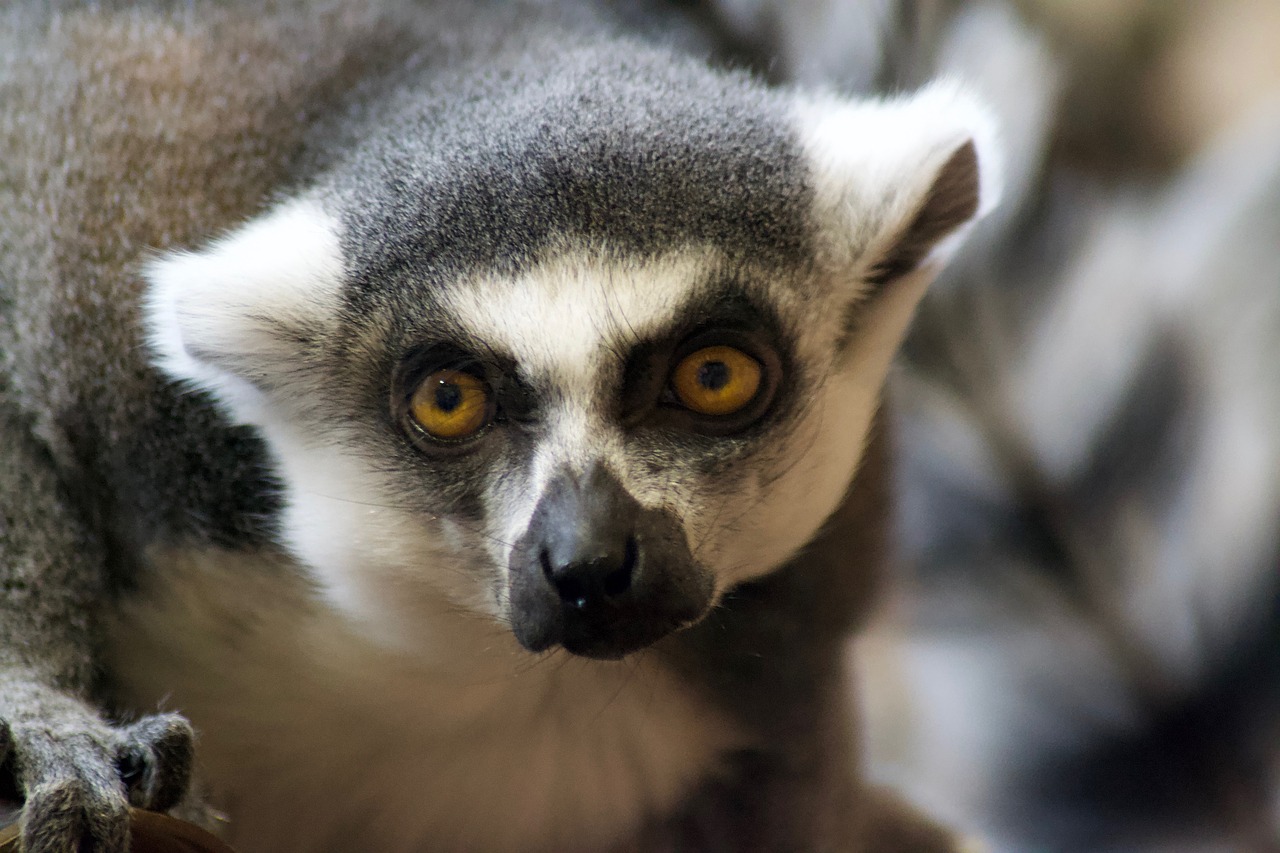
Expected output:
(728, 317)
(511, 400)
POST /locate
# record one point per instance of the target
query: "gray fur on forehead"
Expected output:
(628, 147)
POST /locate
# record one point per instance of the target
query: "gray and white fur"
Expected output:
(232, 239)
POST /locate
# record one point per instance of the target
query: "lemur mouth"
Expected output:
(599, 575)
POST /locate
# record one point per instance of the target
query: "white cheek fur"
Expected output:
(764, 526)
(219, 320)
(216, 316)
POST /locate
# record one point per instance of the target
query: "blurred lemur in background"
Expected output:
(463, 414)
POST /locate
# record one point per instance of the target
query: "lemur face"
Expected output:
(590, 394)
(631, 437)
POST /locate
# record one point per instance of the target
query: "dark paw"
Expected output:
(78, 776)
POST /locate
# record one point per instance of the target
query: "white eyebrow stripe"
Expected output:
(562, 320)
(566, 323)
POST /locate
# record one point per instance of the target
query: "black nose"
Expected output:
(585, 534)
(590, 570)
(600, 575)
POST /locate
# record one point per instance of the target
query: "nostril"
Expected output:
(572, 591)
(618, 581)
(544, 558)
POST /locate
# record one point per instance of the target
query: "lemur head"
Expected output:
(583, 356)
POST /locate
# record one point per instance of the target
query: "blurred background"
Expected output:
(1083, 649)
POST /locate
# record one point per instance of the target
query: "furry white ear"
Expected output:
(899, 182)
(235, 317)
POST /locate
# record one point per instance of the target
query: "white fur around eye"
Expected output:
(219, 316)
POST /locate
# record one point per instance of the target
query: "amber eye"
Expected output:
(451, 405)
(716, 380)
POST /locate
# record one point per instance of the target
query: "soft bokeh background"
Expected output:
(1154, 81)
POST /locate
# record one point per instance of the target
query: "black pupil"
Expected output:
(448, 396)
(713, 375)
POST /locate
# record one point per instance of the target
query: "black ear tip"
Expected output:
(951, 201)
(954, 198)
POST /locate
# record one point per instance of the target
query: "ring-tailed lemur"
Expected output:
(464, 416)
